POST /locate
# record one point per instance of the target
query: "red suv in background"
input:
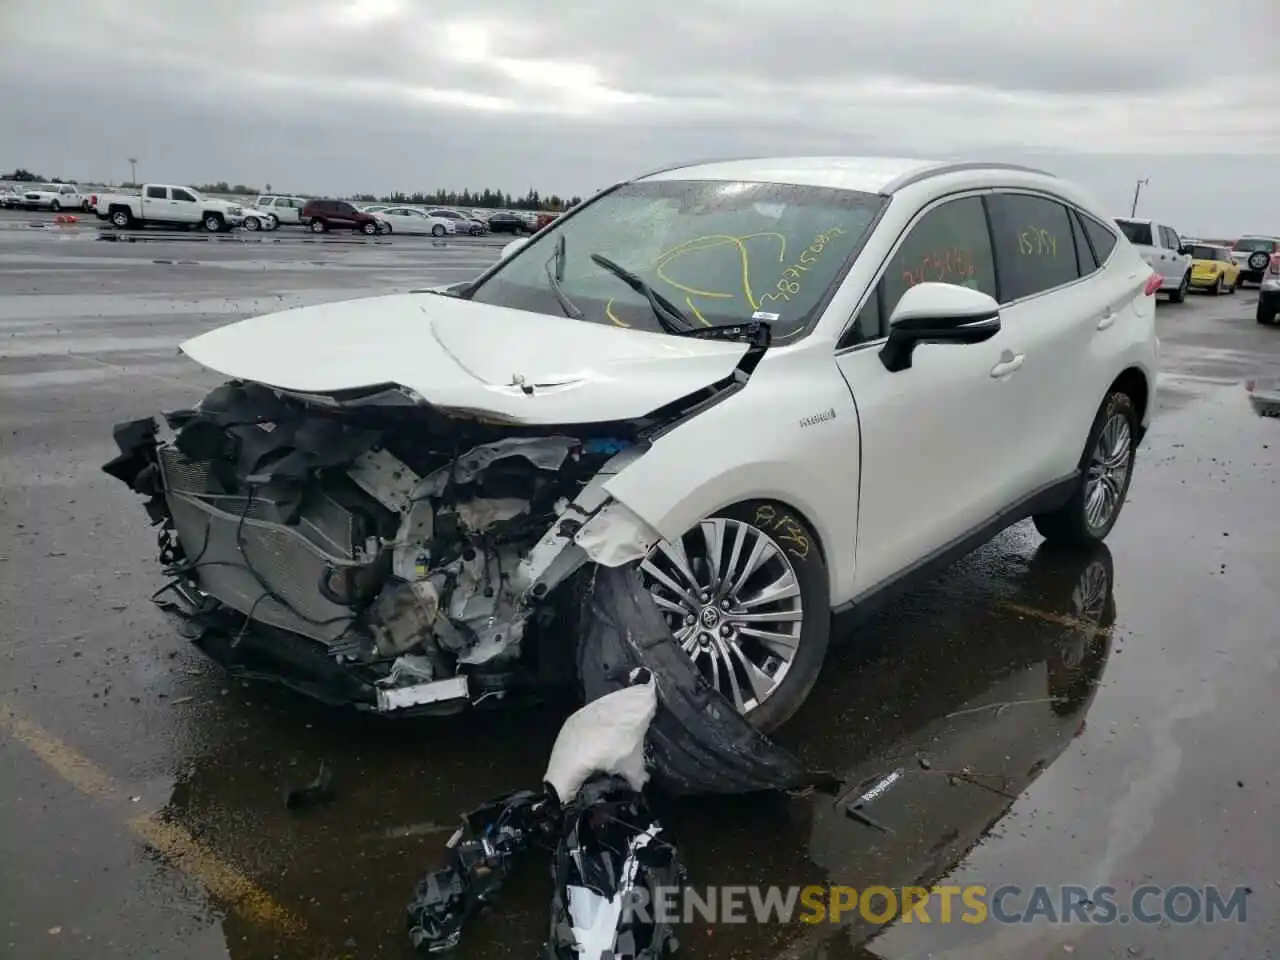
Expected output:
(323, 215)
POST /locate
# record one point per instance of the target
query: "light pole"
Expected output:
(133, 169)
(1137, 190)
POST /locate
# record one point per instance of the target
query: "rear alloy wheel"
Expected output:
(1220, 287)
(55, 207)
(1181, 293)
(1266, 312)
(1091, 512)
(745, 594)
(318, 226)
(120, 218)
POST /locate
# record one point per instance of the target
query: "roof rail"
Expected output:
(959, 166)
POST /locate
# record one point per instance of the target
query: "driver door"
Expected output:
(937, 437)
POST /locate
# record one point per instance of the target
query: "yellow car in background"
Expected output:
(1213, 269)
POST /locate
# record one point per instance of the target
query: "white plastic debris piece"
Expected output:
(605, 736)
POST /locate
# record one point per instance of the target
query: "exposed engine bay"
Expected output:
(372, 551)
(415, 551)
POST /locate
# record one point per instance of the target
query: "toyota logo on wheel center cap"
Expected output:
(710, 617)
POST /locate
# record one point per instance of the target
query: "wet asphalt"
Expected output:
(1105, 718)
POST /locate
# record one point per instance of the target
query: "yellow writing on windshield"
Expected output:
(788, 284)
(786, 287)
(1037, 242)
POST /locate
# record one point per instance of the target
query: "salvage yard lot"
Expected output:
(143, 810)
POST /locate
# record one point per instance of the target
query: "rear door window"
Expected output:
(156, 193)
(1034, 245)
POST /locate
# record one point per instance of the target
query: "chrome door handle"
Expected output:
(1007, 365)
(1108, 318)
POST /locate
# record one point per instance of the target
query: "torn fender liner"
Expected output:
(697, 742)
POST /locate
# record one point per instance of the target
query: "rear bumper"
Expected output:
(1209, 280)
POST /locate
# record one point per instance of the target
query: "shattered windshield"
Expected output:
(722, 252)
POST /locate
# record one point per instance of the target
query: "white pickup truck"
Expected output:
(55, 197)
(163, 203)
(1165, 252)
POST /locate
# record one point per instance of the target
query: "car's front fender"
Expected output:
(790, 435)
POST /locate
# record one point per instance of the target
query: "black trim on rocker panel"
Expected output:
(1044, 500)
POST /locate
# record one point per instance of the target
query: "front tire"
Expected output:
(55, 206)
(252, 223)
(437, 231)
(213, 222)
(1106, 469)
(318, 226)
(369, 229)
(747, 596)
(273, 222)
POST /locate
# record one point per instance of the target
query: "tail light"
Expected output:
(1250, 385)
(1275, 265)
(1153, 284)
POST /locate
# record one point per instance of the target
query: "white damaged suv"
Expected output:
(774, 389)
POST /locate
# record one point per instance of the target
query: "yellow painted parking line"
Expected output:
(1061, 619)
(222, 880)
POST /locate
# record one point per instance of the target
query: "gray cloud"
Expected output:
(346, 95)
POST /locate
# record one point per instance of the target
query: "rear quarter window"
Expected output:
(1034, 244)
(1100, 237)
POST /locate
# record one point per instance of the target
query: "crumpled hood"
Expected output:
(526, 367)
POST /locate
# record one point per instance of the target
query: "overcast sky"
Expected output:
(569, 95)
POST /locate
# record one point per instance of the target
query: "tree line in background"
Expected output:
(488, 199)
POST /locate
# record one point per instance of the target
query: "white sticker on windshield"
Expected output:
(761, 315)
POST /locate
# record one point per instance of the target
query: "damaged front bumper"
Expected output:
(392, 559)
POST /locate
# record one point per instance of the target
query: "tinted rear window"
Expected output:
(1136, 232)
(1203, 253)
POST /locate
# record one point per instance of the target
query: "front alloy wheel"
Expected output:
(745, 594)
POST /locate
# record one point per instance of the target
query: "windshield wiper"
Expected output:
(669, 316)
(553, 279)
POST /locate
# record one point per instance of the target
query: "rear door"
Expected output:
(1054, 302)
(156, 204)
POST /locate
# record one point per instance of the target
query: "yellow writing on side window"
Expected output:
(788, 284)
(1037, 242)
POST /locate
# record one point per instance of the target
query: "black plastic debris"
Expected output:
(612, 862)
(697, 743)
(484, 849)
(318, 791)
